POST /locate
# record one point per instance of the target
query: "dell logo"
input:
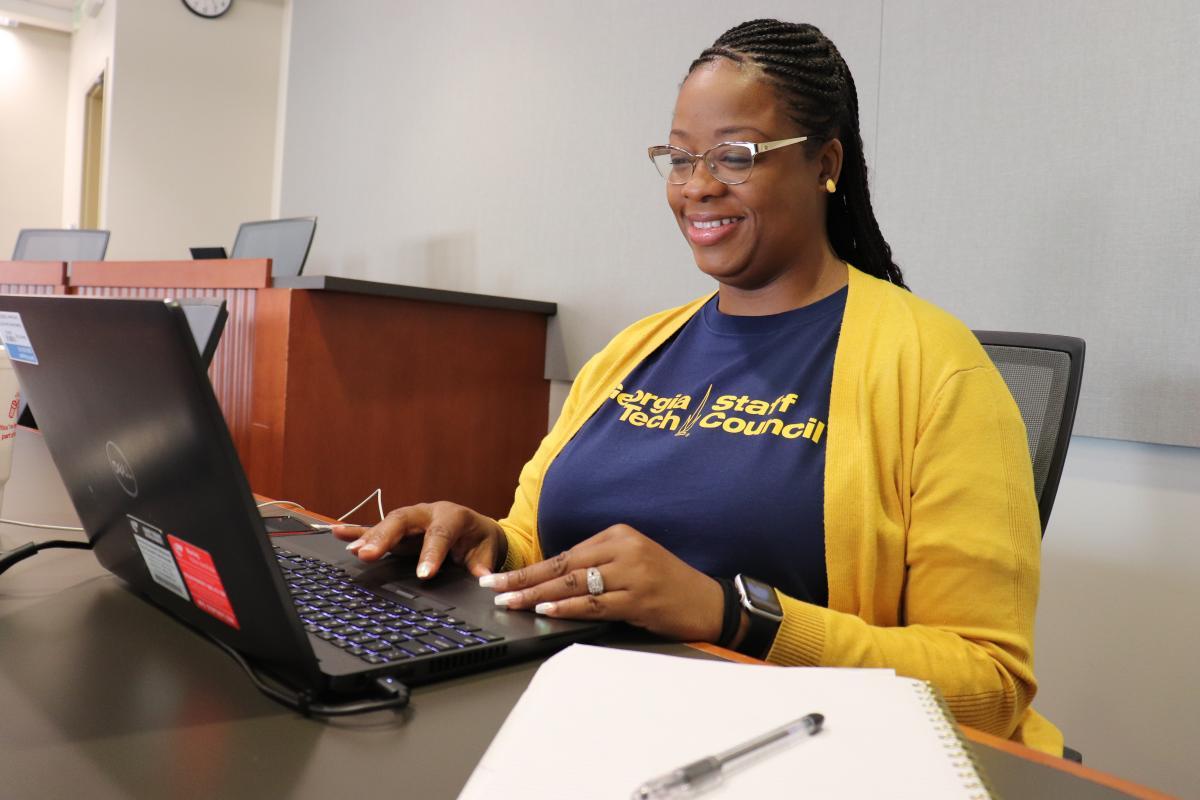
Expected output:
(121, 469)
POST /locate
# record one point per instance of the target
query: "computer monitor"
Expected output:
(202, 253)
(54, 244)
(284, 241)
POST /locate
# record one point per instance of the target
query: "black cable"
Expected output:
(302, 701)
(28, 549)
(396, 693)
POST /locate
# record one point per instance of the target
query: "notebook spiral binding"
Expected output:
(962, 757)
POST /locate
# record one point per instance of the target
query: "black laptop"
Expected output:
(206, 317)
(130, 419)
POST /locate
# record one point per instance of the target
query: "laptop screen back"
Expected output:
(131, 422)
(205, 317)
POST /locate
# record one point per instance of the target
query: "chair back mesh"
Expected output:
(1037, 380)
(1043, 373)
(52, 244)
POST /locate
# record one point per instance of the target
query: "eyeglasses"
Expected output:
(728, 162)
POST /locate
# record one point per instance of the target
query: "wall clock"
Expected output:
(208, 9)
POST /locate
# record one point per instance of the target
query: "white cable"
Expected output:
(280, 503)
(39, 525)
(378, 493)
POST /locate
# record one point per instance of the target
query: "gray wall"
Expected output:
(1030, 165)
(1033, 167)
(1038, 170)
(501, 147)
(1116, 648)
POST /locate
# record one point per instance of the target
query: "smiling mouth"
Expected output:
(709, 232)
(716, 223)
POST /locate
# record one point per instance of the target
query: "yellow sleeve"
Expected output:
(971, 566)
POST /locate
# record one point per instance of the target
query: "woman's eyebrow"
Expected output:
(727, 131)
(741, 129)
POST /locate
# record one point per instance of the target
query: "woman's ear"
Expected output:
(830, 157)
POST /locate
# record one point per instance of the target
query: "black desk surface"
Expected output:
(335, 283)
(104, 696)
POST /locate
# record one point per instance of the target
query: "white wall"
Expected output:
(191, 151)
(501, 147)
(1117, 644)
(33, 106)
(91, 57)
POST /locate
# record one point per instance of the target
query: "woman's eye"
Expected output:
(736, 160)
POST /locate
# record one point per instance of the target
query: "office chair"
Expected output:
(206, 317)
(285, 241)
(1043, 373)
(54, 244)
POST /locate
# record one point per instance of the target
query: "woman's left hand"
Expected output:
(644, 584)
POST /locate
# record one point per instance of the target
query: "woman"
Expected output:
(844, 449)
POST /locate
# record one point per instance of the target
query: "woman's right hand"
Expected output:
(470, 538)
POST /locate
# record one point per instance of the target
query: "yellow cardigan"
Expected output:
(932, 535)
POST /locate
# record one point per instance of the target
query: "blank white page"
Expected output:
(597, 722)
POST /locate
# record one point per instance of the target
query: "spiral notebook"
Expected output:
(597, 722)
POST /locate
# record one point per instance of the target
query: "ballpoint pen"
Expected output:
(708, 772)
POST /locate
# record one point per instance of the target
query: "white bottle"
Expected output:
(10, 403)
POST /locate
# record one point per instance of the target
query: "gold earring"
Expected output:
(830, 186)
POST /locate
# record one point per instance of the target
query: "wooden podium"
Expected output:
(33, 277)
(428, 395)
(334, 387)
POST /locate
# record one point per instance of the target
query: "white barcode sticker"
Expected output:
(159, 561)
(15, 339)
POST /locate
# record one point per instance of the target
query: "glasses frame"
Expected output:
(754, 148)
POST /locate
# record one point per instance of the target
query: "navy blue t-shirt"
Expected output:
(714, 447)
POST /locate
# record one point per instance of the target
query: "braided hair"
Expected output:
(818, 93)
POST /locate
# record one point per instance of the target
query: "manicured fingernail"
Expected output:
(424, 569)
(508, 598)
(544, 608)
(487, 581)
(357, 543)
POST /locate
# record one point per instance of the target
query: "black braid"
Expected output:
(811, 76)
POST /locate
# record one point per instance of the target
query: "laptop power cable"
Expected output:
(393, 693)
(376, 495)
(18, 554)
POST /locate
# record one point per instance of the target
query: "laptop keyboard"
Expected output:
(377, 630)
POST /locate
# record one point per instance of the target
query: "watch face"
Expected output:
(209, 9)
(761, 596)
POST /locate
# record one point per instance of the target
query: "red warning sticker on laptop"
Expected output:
(200, 575)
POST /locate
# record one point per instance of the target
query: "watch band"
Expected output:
(732, 614)
(762, 627)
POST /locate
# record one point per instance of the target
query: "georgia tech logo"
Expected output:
(121, 469)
